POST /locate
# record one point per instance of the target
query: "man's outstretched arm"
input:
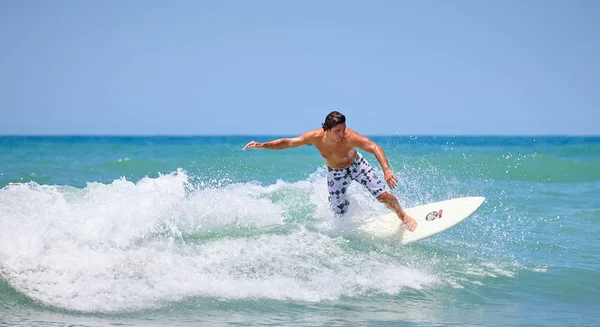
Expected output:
(283, 143)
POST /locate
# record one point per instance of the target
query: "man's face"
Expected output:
(337, 132)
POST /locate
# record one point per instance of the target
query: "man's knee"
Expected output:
(385, 196)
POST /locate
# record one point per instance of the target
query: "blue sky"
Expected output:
(278, 67)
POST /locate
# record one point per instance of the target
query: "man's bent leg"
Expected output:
(392, 203)
(364, 173)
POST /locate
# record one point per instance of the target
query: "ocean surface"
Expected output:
(178, 231)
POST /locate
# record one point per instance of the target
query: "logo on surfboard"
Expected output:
(433, 215)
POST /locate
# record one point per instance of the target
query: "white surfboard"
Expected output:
(432, 218)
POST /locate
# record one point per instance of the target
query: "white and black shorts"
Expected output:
(338, 181)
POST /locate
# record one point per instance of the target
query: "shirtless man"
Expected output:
(337, 144)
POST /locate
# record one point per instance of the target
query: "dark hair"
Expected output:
(333, 119)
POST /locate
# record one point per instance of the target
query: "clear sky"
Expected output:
(198, 67)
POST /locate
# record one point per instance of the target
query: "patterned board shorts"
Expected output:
(338, 181)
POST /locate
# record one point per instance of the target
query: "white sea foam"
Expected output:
(134, 245)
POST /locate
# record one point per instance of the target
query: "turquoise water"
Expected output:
(98, 231)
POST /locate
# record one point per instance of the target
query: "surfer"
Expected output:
(337, 144)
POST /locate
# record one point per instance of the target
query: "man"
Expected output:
(337, 144)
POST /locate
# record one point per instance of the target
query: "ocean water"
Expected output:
(178, 231)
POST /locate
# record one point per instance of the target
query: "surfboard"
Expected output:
(432, 218)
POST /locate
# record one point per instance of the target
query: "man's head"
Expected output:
(335, 125)
(333, 119)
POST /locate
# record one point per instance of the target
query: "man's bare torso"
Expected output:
(337, 154)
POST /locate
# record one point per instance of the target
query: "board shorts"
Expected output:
(338, 181)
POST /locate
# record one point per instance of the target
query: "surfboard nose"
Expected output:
(476, 199)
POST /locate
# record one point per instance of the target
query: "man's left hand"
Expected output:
(390, 178)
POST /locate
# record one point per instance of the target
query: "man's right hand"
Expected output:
(252, 145)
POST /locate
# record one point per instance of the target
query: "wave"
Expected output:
(126, 245)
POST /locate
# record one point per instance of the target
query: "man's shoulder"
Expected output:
(314, 133)
(352, 134)
(355, 138)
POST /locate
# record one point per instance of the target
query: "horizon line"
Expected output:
(290, 135)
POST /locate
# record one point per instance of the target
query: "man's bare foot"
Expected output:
(411, 224)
